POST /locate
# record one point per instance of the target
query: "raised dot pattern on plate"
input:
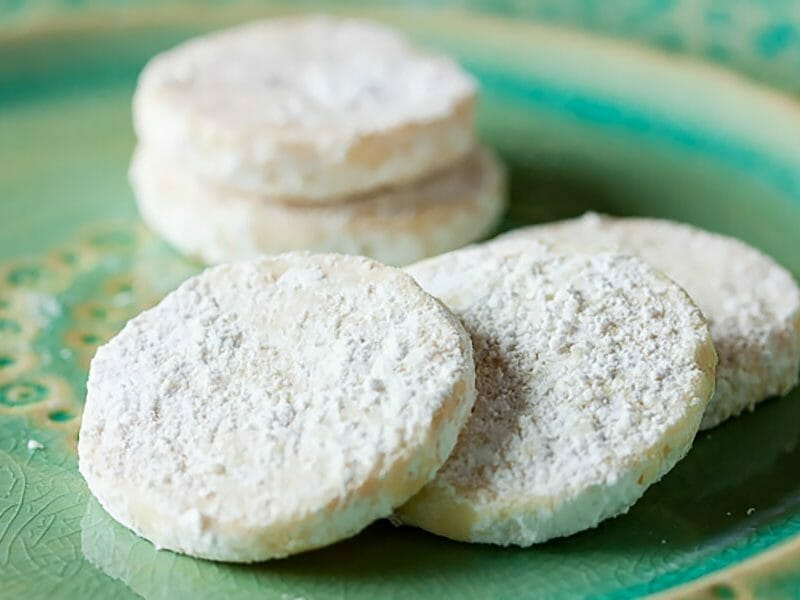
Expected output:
(55, 310)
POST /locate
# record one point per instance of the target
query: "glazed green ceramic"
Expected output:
(582, 123)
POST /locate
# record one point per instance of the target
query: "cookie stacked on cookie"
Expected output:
(509, 392)
(311, 133)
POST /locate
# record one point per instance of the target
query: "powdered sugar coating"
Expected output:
(752, 303)
(309, 107)
(396, 226)
(275, 405)
(592, 375)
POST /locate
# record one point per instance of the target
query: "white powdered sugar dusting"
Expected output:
(283, 395)
(396, 226)
(752, 304)
(312, 108)
(592, 375)
(311, 73)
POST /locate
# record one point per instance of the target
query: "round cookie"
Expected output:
(592, 375)
(276, 405)
(308, 108)
(397, 226)
(752, 304)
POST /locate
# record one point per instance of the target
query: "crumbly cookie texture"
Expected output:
(276, 405)
(593, 373)
(752, 303)
(314, 108)
(396, 226)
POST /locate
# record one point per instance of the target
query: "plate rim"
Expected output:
(741, 577)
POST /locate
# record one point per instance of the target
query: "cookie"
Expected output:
(396, 226)
(314, 108)
(593, 373)
(272, 406)
(752, 303)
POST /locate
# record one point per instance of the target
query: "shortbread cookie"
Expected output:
(399, 226)
(271, 406)
(592, 374)
(315, 108)
(752, 304)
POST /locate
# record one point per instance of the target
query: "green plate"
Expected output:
(583, 123)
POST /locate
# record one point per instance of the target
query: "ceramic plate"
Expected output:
(583, 123)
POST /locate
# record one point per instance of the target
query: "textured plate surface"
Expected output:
(582, 123)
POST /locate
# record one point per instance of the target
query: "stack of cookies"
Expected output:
(508, 393)
(311, 133)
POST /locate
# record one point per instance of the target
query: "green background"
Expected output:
(582, 124)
